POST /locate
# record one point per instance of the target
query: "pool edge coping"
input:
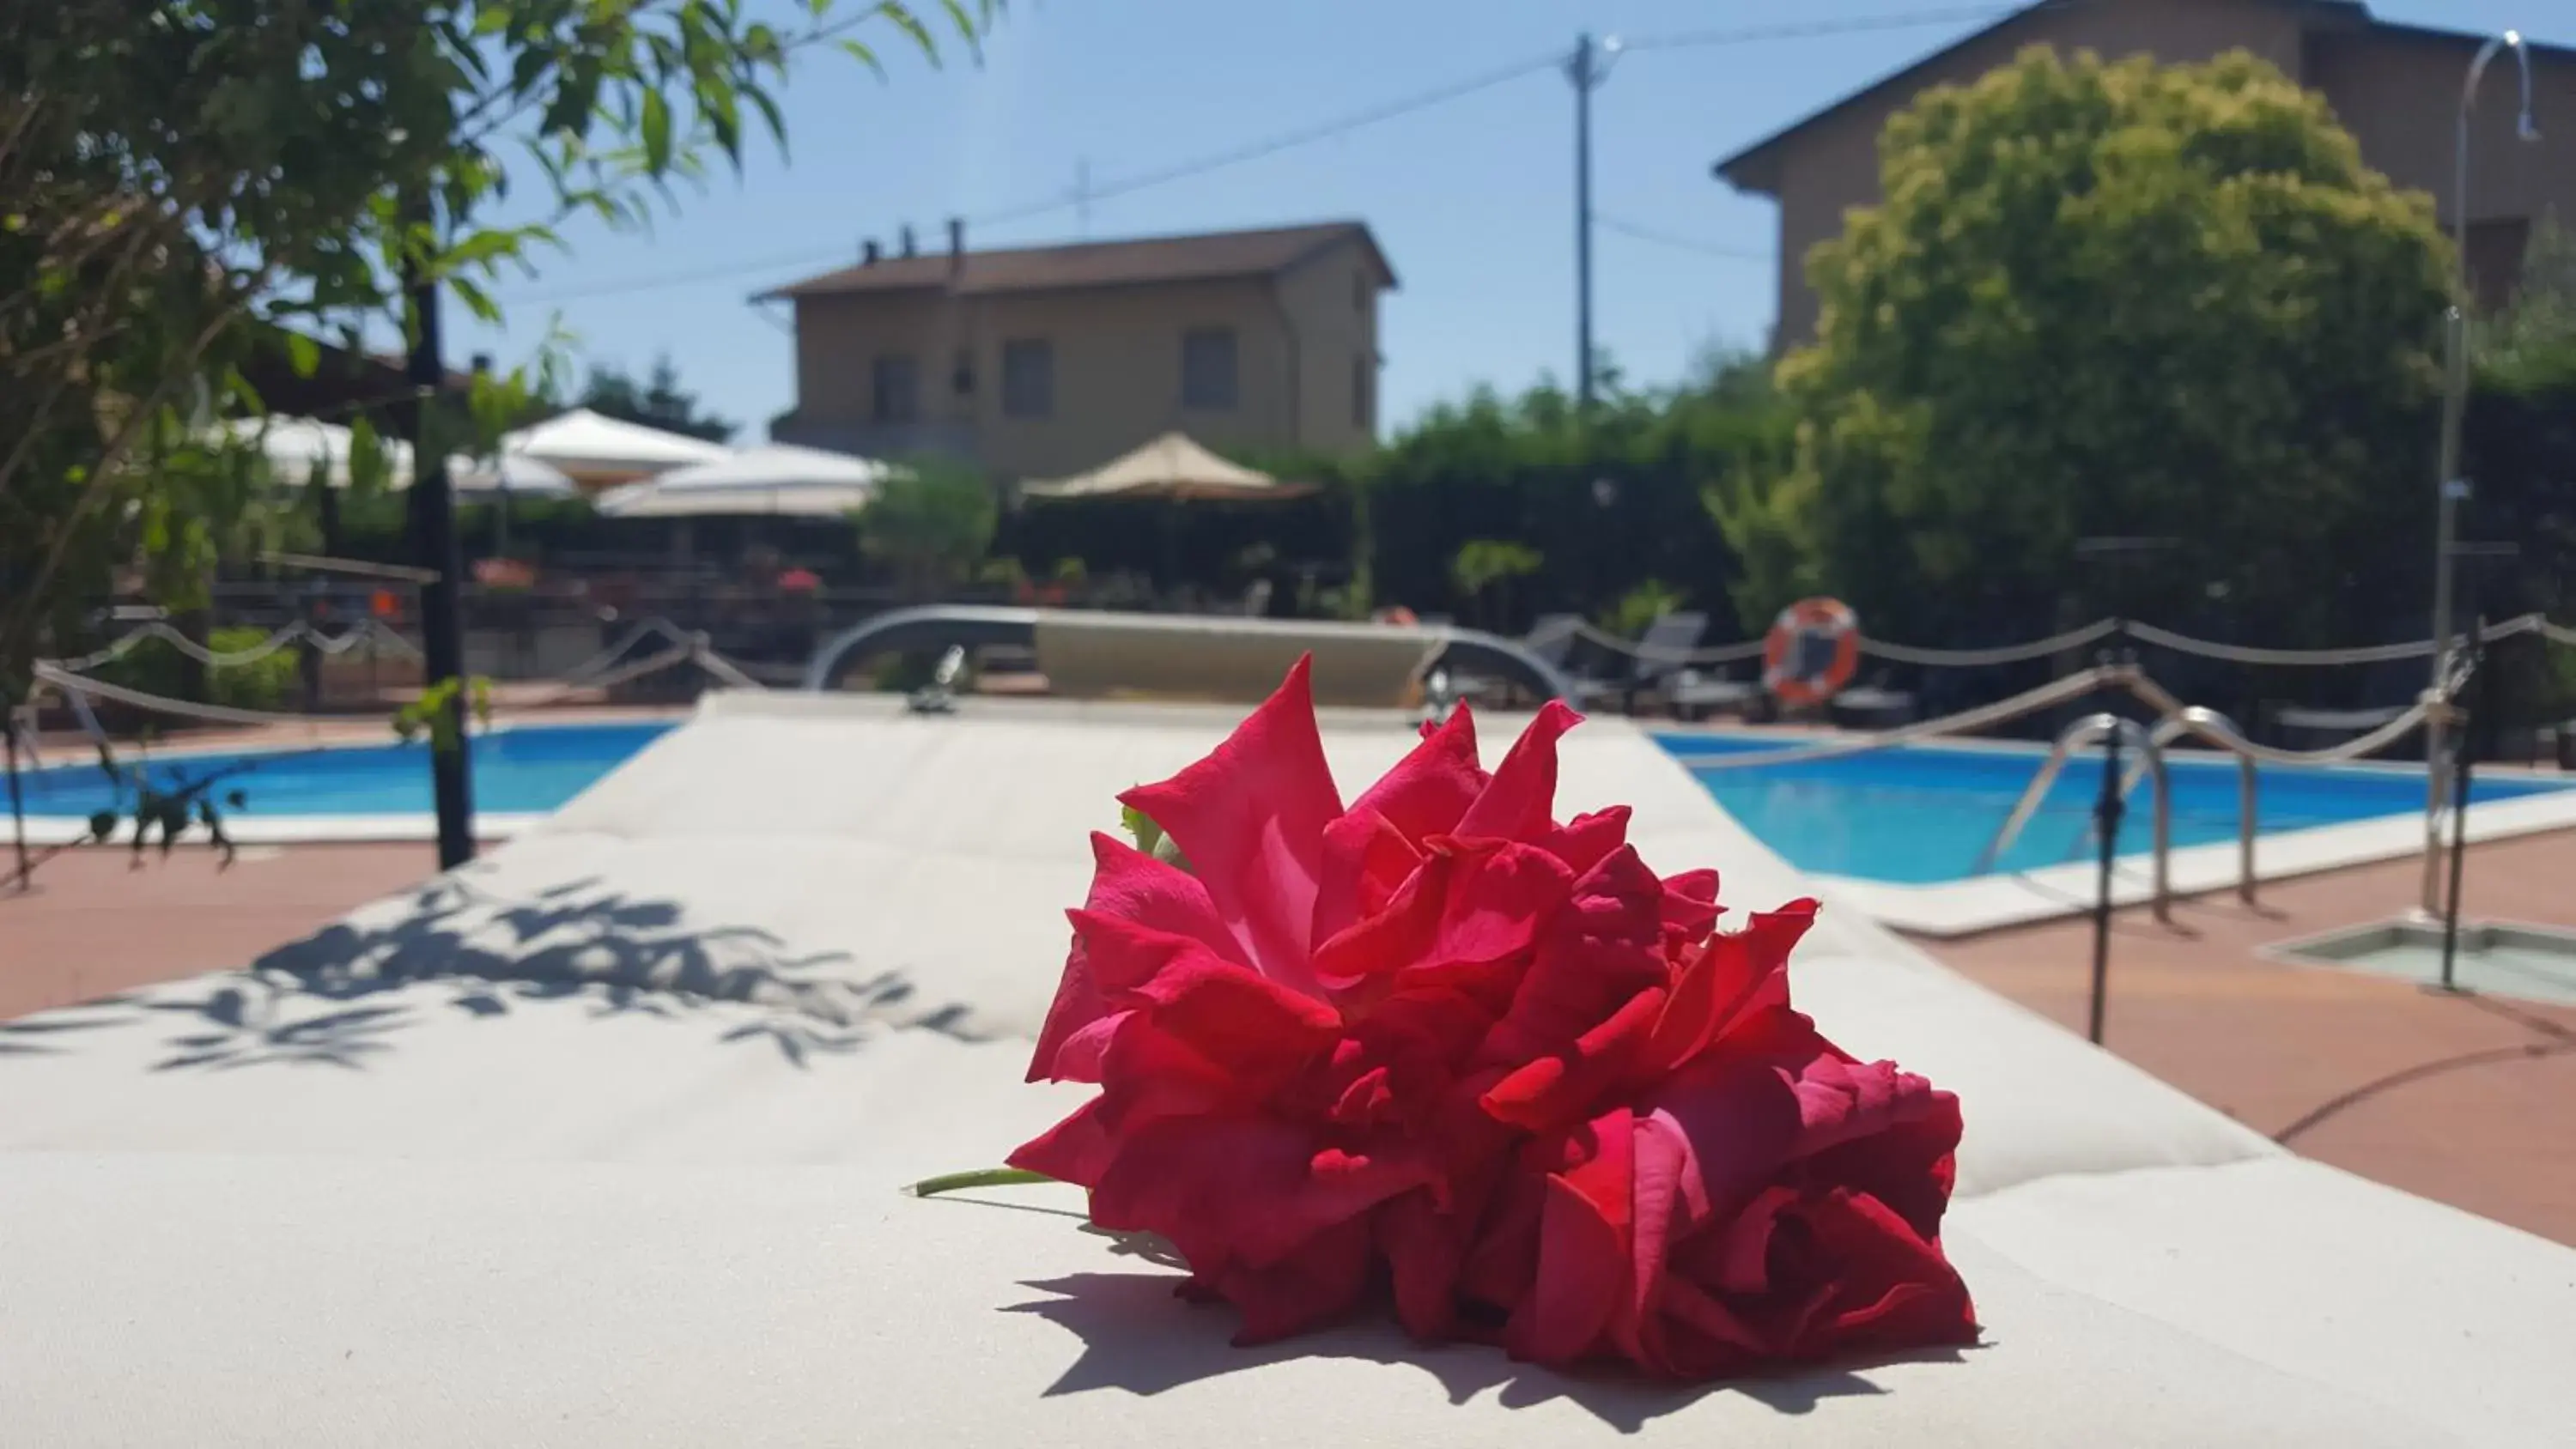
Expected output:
(1986, 903)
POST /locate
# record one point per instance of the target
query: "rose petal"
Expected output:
(1365, 861)
(1739, 972)
(1583, 1252)
(1431, 788)
(1583, 841)
(1470, 902)
(1561, 1087)
(1323, 1279)
(1256, 1030)
(1517, 804)
(1250, 818)
(1598, 953)
(1249, 1190)
(1126, 883)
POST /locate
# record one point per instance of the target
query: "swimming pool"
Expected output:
(1922, 814)
(529, 769)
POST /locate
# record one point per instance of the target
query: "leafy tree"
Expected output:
(658, 402)
(2112, 299)
(1609, 499)
(931, 524)
(186, 182)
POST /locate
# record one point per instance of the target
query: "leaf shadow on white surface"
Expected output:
(1139, 1338)
(324, 1000)
(50, 1032)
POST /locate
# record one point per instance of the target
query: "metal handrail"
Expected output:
(2091, 730)
(2185, 722)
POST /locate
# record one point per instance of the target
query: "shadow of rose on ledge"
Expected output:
(1138, 1337)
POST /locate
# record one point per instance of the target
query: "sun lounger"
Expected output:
(599, 1143)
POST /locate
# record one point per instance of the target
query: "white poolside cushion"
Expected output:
(201, 1300)
(598, 1142)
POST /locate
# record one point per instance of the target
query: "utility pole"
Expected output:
(434, 531)
(1581, 70)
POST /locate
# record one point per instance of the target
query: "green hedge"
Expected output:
(157, 667)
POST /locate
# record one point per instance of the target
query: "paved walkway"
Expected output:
(2471, 1100)
(92, 925)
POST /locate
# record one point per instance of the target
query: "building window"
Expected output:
(1207, 368)
(961, 376)
(1028, 378)
(1363, 390)
(895, 384)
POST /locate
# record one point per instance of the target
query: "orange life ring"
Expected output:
(1812, 651)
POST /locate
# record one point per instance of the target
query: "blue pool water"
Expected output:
(527, 769)
(1921, 815)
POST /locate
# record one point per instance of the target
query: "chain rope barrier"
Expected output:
(689, 649)
(2094, 632)
(1664, 653)
(2075, 686)
(362, 632)
(2061, 691)
(2000, 654)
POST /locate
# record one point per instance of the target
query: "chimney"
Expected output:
(910, 248)
(868, 252)
(482, 363)
(956, 246)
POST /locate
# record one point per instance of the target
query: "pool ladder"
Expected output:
(2091, 730)
(2198, 720)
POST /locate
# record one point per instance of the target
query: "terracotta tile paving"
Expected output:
(2470, 1100)
(90, 926)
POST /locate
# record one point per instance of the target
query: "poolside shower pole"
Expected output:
(2450, 487)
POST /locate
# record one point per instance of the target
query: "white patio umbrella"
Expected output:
(298, 448)
(594, 448)
(515, 474)
(1171, 466)
(774, 479)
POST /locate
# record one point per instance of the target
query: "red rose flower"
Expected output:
(1443, 1034)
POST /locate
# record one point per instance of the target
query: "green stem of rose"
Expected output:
(981, 1177)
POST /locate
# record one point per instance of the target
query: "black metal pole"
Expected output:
(2462, 758)
(1581, 71)
(2107, 811)
(17, 805)
(442, 627)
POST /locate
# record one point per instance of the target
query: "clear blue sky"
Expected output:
(1471, 199)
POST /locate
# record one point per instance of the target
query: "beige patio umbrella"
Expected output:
(1173, 469)
(1172, 466)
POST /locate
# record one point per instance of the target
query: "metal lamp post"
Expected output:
(1587, 68)
(2451, 487)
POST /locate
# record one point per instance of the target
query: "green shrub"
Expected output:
(270, 682)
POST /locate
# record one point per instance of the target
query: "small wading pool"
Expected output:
(2492, 959)
(523, 769)
(1922, 814)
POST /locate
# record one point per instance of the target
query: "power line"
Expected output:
(1287, 141)
(1678, 242)
(1306, 136)
(1123, 186)
(724, 271)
